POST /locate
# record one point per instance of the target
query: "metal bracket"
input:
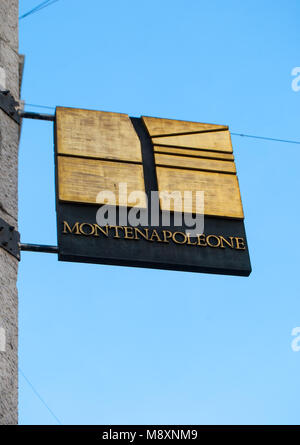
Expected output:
(9, 239)
(40, 116)
(9, 105)
(42, 248)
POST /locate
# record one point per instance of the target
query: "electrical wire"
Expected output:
(39, 7)
(266, 138)
(289, 141)
(39, 397)
(39, 106)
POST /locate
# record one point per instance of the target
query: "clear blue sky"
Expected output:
(112, 345)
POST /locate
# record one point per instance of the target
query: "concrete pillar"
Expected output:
(9, 142)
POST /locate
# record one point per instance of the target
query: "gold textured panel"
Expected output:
(194, 163)
(81, 179)
(191, 156)
(193, 152)
(221, 191)
(97, 150)
(217, 140)
(157, 126)
(96, 134)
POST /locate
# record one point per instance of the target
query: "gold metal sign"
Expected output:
(98, 151)
(195, 156)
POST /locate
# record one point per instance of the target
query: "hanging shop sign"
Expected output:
(148, 192)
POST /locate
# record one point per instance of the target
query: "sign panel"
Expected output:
(148, 192)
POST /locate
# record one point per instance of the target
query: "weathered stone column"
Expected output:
(9, 142)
